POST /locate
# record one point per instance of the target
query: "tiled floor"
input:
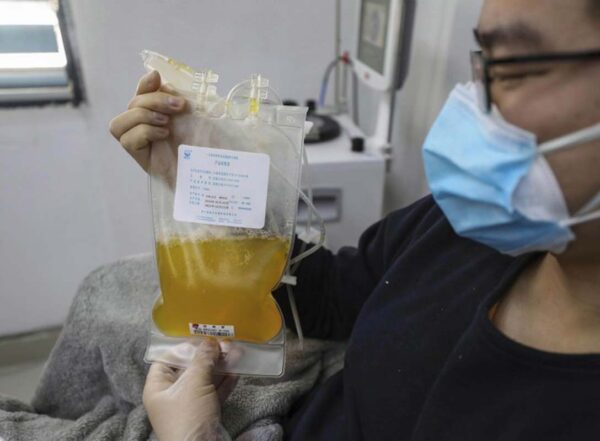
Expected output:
(20, 380)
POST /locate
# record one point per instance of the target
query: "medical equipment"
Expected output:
(347, 172)
(224, 187)
(383, 56)
(384, 41)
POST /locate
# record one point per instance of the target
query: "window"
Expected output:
(36, 60)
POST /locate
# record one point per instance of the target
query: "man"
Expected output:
(473, 314)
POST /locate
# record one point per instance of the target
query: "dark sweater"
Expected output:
(424, 362)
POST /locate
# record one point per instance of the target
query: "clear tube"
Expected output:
(296, 316)
(295, 262)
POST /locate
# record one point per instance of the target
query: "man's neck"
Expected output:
(554, 306)
(581, 282)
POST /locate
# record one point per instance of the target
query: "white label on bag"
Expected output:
(221, 187)
(212, 330)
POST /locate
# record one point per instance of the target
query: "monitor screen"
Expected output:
(373, 33)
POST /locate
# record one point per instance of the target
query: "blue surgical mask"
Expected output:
(492, 181)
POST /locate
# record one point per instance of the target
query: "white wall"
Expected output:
(71, 199)
(440, 59)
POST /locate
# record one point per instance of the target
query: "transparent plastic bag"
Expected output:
(224, 191)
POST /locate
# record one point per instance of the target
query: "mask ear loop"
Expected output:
(582, 136)
(582, 219)
(587, 213)
(590, 206)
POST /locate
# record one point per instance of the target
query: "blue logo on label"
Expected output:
(187, 154)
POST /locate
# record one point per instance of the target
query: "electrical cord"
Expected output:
(345, 58)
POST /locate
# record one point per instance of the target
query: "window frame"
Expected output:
(72, 67)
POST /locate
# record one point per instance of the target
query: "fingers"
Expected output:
(159, 102)
(226, 386)
(231, 354)
(148, 83)
(198, 378)
(198, 374)
(152, 108)
(146, 120)
(167, 88)
(134, 117)
(141, 136)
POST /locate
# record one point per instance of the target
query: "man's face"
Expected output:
(551, 99)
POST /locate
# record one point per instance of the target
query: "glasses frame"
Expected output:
(480, 65)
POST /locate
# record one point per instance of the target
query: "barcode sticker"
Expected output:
(212, 330)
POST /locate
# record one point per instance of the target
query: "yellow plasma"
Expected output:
(220, 282)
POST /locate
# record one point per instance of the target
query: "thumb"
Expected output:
(200, 372)
(160, 377)
(148, 83)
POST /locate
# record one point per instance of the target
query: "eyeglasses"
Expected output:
(481, 65)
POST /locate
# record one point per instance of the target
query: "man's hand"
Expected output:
(185, 405)
(147, 118)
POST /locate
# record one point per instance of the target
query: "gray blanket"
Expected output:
(91, 388)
